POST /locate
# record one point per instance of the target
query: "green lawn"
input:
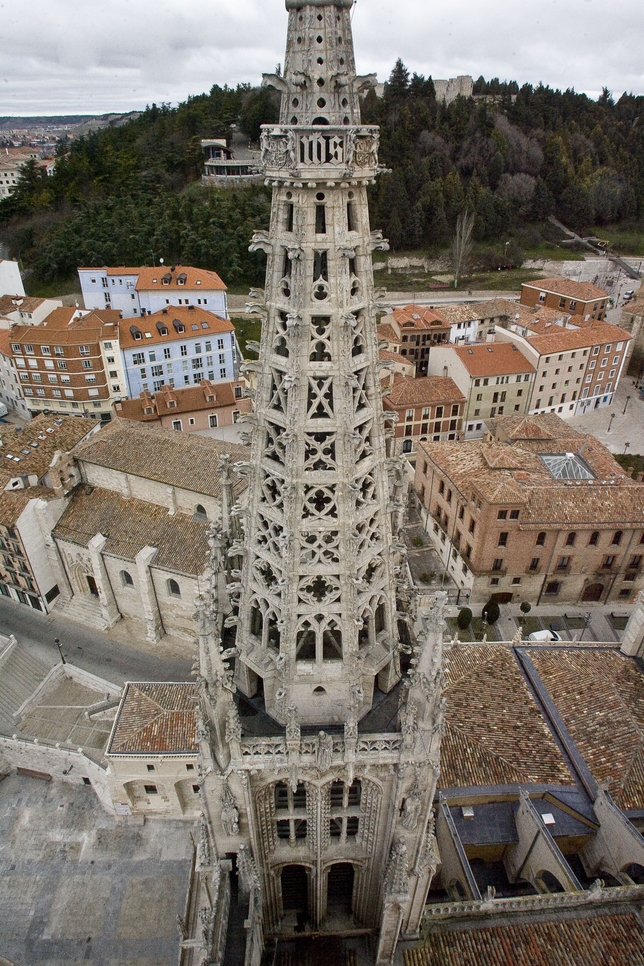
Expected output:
(624, 241)
(247, 331)
(52, 290)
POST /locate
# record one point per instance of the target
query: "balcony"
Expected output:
(288, 149)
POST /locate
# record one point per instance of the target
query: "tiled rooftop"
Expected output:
(178, 459)
(419, 317)
(600, 697)
(605, 940)
(426, 390)
(131, 525)
(582, 291)
(155, 719)
(563, 340)
(492, 359)
(33, 446)
(495, 733)
(196, 322)
(207, 395)
(494, 469)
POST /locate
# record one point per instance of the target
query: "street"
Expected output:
(87, 648)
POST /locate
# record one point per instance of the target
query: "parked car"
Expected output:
(544, 636)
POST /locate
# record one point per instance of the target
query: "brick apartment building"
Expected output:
(534, 512)
(577, 298)
(412, 331)
(495, 378)
(206, 406)
(576, 369)
(428, 408)
(70, 363)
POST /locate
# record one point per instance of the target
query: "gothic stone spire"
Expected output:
(317, 605)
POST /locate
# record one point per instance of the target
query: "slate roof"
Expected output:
(131, 525)
(600, 696)
(558, 285)
(178, 459)
(603, 940)
(495, 732)
(155, 719)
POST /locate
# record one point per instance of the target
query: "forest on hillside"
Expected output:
(510, 155)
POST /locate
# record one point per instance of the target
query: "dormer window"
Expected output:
(148, 410)
(166, 279)
(178, 326)
(162, 329)
(135, 332)
(181, 279)
(172, 404)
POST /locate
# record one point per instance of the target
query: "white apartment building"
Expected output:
(136, 292)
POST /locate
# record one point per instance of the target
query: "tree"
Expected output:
(491, 611)
(464, 618)
(462, 246)
(398, 83)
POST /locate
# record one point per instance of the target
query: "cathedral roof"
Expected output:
(155, 719)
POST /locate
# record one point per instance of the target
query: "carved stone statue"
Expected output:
(229, 812)
(411, 808)
(325, 752)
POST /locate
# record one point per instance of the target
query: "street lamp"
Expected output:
(626, 404)
(612, 417)
(626, 445)
(60, 649)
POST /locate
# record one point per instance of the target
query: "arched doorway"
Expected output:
(340, 878)
(295, 893)
(592, 592)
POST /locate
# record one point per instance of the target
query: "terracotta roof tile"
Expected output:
(179, 459)
(600, 696)
(155, 719)
(419, 317)
(195, 278)
(425, 390)
(197, 323)
(131, 525)
(43, 436)
(492, 359)
(563, 340)
(596, 940)
(558, 285)
(495, 733)
(190, 399)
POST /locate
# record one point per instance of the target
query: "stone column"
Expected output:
(634, 633)
(109, 608)
(153, 622)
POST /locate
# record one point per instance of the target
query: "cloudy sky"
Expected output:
(66, 56)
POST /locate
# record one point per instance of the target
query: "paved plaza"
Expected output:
(78, 886)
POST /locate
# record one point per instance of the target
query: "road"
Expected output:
(87, 648)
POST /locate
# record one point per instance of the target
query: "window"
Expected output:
(516, 580)
(563, 563)
(570, 539)
(200, 512)
(608, 561)
(541, 538)
(290, 806)
(503, 539)
(552, 588)
(498, 563)
(176, 424)
(150, 789)
(155, 370)
(213, 421)
(184, 350)
(617, 538)
(83, 350)
(514, 514)
(502, 515)
(46, 351)
(87, 363)
(534, 563)
(173, 588)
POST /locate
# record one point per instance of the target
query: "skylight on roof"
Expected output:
(567, 466)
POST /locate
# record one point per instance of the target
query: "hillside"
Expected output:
(127, 194)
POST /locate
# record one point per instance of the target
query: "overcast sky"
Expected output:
(89, 56)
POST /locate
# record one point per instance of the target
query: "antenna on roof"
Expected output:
(161, 261)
